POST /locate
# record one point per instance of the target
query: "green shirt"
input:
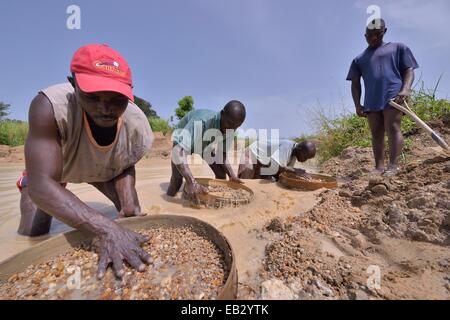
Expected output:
(190, 131)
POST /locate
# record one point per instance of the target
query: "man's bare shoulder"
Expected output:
(40, 115)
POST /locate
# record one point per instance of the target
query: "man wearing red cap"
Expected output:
(87, 130)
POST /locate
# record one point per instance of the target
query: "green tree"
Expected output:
(185, 105)
(146, 107)
(3, 110)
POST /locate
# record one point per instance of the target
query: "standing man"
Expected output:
(277, 156)
(387, 69)
(87, 130)
(199, 132)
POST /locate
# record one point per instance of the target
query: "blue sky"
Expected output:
(281, 58)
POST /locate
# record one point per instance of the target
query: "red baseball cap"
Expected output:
(97, 67)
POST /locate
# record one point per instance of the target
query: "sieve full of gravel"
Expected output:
(185, 266)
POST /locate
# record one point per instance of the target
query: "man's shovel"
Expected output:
(421, 124)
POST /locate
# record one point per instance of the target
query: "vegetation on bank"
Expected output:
(160, 125)
(13, 132)
(334, 134)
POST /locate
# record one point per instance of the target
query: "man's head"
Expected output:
(102, 82)
(232, 115)
(304, 150)
(375, 32)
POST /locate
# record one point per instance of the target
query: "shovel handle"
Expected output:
(422, 124)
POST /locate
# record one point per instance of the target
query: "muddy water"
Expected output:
(238, 224)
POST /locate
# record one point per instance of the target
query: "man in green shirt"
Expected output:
(198, 133)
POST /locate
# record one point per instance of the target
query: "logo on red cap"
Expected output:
(109, 66)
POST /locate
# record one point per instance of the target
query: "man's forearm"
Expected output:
(408, 79)
(55, 200)
(356, 92)
(185, 171)
(180, 161)
(227, 167)
(125, 185)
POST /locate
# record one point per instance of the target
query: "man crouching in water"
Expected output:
(188, 138)
(87, 131)
(267, 159)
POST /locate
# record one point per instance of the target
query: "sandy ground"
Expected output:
(239, 225)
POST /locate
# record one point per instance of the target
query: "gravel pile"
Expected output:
(228, 193)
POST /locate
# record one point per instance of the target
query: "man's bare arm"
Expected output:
(192, 186)
(356, 95)
(125, 185)
(405, 92)
(229, 170)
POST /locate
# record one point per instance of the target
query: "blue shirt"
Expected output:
(381, 69)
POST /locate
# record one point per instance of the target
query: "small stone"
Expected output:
(324, 290)
(417, 235)
(13, 278)
(358, 241)
(200, 296)
(275, 289)
(444, 263)
(419, 202)
(375, 181)
(276, 225)
(395, 214)
(357, 295)
(345, 194)
(380, 190)
(60, 267)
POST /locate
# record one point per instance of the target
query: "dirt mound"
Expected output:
(414, 205)
(357, 162)
(328, 254)
(162, 146)
(11, 154)
(351, 164)
(395, 230)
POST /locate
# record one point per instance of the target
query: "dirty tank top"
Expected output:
(83, 159)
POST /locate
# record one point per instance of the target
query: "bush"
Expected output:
(13, 133)
(160, 125)
(427, 108)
